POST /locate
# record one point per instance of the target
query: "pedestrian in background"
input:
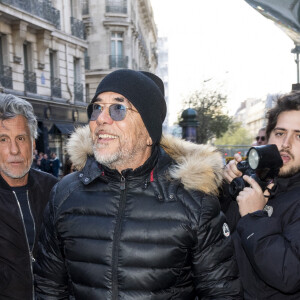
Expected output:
(55, 164)
(45, 164)
(24, 193)
(261, 138)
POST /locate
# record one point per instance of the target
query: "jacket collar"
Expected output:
(93, 170)
(283, 184)
(6, 186)
(197, 167)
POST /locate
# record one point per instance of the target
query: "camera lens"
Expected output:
(253, 158)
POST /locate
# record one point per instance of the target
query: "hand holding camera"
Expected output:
(250, 178)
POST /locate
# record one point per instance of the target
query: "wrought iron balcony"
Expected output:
(30, 81)
(78, 91)
(77, 28)
(6, 77)
(39, 8)
(117, 7)
(118, 61)
(55, 87)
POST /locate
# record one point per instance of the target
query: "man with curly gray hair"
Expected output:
(23, 196)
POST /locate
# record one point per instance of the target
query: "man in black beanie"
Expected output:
(140, 218)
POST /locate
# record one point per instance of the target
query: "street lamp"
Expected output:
(296, 52)
(189, 125)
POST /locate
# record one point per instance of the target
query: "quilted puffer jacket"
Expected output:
(151, 233)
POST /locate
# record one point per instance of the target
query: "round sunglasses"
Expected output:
(116, 111)
(262, 138)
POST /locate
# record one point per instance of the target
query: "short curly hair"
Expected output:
(286, 102)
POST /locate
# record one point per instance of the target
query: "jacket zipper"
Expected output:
(31, 258)
(116, 239)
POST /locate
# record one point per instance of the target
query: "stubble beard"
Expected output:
(285, 173)
(288, 171)
(123, 156)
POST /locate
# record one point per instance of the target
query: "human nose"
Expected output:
(104, 117)
(286, 142)
(14, 148)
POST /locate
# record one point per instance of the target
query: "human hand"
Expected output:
(230, 170)
(252, 198)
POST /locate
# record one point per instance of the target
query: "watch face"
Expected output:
(253, 158)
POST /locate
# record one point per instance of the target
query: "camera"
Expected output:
(262, 164)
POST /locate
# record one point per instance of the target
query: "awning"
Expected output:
(61, 128)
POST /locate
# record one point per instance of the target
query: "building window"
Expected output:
(54, 76)
(116, 6)
(87, 93)
(29, 75)
(78, 86)
(5, 69)
(86, 60)
(74, 4)
(77, 26)
(117, 59)
(85, 7)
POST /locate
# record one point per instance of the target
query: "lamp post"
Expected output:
(296, 51)
(189, 125)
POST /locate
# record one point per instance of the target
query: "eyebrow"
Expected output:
(118, 99)
(283, 129)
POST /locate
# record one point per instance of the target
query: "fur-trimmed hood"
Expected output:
(198, 167)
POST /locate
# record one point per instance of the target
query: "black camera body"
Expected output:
(262, 164)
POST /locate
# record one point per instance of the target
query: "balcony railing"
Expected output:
(117, 7)
(55, 87)
(39, 8)
(6, 77)
(30, 81)
(78, 91)
(77, 28)
(118, 61)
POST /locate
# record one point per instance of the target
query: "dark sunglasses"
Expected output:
(116, 111)
(262, 138)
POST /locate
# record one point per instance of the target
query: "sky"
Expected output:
(224, 45)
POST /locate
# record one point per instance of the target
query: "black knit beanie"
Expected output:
(144, 90)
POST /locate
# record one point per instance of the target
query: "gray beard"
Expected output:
(8, 174)
(113, 160)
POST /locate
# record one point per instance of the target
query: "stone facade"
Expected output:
(120, 34)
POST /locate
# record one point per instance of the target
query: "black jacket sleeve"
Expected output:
(273, 249)
(50, 272)
(214, 265)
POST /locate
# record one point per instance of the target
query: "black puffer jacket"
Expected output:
(16, 278)
(139, 235)
(268, 246)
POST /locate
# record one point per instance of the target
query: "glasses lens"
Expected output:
(117, 112)
(262, 138)
(97, 109)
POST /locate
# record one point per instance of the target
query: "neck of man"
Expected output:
(15, 182)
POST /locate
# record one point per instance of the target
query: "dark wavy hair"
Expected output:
(286, 102)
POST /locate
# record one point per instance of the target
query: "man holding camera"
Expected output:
(266, 238)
